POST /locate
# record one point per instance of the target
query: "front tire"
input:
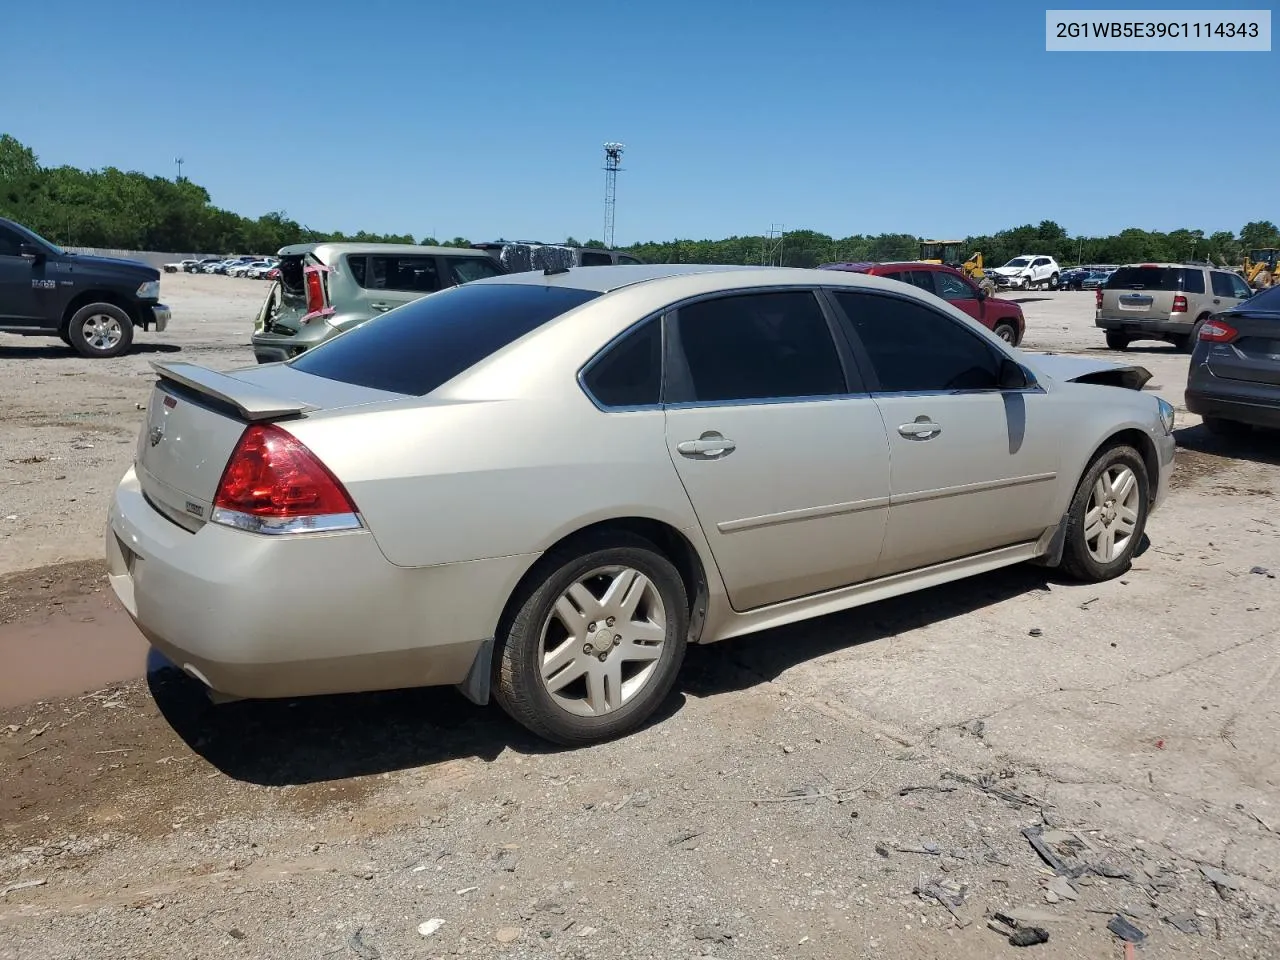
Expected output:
(100, 330)
(595, 641)
(1053, 282)
(1117, 341)
(1108, 516)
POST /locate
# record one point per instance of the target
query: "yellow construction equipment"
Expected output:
(1259, 268)
(951, 252)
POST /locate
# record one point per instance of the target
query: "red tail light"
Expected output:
(1097, 298)
(317, 294)
(1179, 304)
(274, 484)
(1218, 331)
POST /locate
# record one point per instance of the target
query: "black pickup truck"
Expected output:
(93, 303)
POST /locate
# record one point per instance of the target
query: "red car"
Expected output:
(1001, 317)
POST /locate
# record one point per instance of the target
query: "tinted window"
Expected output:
(417, 347)
(357, 267)
(587, 259)
(622, 258)
(464, 270)
(630, 373)
(1148, 278)
(1041, 262)
(914, 348)
(418, 274)
(1193, 281)
(759, 346)
(1221, 284)
(10, 243)
(951, 287)
(920, 278)
(1241, 288)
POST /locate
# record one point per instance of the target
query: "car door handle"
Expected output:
(921, 429)
(1217, 301)
(384, 307)
(710, 446)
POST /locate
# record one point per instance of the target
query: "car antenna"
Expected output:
(551, 271)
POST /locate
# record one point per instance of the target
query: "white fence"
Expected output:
(149, 257)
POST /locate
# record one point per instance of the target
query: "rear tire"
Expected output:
(539, 650)
(100, 330)
(1117, 341)
(1053, 282)
(1111, 502)
(1227, 428)
(1007, 332)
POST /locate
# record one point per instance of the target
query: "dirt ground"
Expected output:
(798, 790)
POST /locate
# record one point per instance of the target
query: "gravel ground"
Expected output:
(795, 794)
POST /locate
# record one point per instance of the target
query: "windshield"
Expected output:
(1018, 262)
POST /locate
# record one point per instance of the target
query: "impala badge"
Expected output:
(156, 435)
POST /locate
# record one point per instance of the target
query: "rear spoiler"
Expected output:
(251, 402)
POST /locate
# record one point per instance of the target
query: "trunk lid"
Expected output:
(196, 416)
(1145, 292)
(1254, 355)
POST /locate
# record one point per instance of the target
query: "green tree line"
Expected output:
(122, 210)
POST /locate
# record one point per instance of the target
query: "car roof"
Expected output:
(896, 265)
(675, 280)
(338, 248)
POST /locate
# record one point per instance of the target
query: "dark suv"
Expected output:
(93, 304)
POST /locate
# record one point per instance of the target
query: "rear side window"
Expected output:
(762, 346)
(623, 258)
(629, 374)
(588, 259)
(913, 348)
(466, 269)
(426, 343)
(417, 274)
(920, 278)
(357, 267)
(1193, 281)
(1222, 284)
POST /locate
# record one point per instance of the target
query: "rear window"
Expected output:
(426, 343)
(1166, 279)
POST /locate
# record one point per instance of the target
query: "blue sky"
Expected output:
(486, 119)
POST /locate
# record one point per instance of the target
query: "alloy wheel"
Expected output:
(1112, 514)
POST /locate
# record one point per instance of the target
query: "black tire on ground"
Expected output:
(1053, 282)
(1077, 561)
(1007, 332)
(1227, 428)
(89, 342)
(518, 685)
(1117, 341)
(62, 335)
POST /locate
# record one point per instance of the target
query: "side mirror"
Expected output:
(982, 294)
(1014, 376)
(30, 251)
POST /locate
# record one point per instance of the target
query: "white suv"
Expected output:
(1029, 272)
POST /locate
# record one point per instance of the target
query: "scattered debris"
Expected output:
(1029, 936)
(1184, 922)
(466, 890)
(1125, 930)
(1036, 632)
(508, 935)
(1223, 882)
(684, 838)
(1263, 572)
(366, 951)
(974, 728)
(1035, 836)
(1062, 888)
(949, 893)
(926, 789)
(37, 732)
(25, 885)
(711, 934)
(236, 934)
(428, 927)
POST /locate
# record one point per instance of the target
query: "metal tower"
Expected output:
(612, 164)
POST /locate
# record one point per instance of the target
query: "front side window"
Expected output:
(1241, 288)
(10, 243)
(417, 274)
(762, 346)
(913, 348)
(951, 287)
(629, 373)
(466, 269)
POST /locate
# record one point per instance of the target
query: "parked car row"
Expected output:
(253, 267)
(1085, 278)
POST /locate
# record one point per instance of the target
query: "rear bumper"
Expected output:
(160, 316)
(258, 616)
(1257, 404)
(1145, 326)
(274, 347)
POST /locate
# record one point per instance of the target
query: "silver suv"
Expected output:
(327, 288)
(1164, 301)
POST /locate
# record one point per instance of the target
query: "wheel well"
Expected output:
(98, 296)
(669, 541)
(1143, 444)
